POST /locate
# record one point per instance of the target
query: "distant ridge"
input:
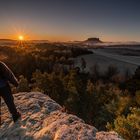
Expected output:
(7, 40)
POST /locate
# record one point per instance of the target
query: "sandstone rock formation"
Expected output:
(44, 119)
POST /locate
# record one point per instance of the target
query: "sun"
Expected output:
(20, 37)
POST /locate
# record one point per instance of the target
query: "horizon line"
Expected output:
(10, 39)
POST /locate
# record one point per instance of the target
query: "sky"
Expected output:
(69, 20)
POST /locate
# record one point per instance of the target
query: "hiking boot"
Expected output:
(16, 117)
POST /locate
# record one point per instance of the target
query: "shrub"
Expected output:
(128, 127)
(23, 85)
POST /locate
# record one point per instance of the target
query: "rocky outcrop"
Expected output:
(44, 119)
(92, 41)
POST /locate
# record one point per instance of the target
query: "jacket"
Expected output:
(6, 75)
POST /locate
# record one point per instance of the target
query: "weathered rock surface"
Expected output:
(43, 119)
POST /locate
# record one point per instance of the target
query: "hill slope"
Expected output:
(44, 119)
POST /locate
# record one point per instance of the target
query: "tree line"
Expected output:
(108, 100)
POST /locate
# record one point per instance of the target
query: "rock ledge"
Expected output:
(43, 119)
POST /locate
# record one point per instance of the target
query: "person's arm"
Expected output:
(8, 74)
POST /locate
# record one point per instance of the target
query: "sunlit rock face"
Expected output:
(44, 119)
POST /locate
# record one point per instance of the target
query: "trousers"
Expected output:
(6, 94)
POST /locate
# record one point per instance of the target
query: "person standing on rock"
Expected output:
(6, 76)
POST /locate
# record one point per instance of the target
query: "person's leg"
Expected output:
(9, 100)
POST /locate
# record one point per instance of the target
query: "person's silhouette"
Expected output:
(6, 76)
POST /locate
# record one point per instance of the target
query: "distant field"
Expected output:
(117, 56)
(128, 51)
(112, 56)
